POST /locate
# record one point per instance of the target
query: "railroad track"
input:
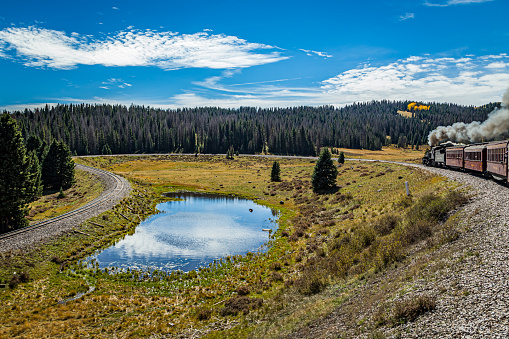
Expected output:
(116, 186)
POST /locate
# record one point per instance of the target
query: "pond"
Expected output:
(191, 233)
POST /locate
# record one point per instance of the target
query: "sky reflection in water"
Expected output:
(192, 233)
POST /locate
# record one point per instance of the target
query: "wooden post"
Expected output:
(407, 188)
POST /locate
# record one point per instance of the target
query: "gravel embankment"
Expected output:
(469, 278)
(116, 188)
(472, 288)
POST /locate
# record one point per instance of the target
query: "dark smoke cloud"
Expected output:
(495, 126)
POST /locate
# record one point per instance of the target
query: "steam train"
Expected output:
(488, 158)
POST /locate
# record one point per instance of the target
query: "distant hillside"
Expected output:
(103, 129)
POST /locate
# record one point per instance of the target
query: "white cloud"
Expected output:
(464, 80)
(498, 65)
(406, 16)
(320, 54)
(456, 2)
(114, 82)
(38, 47)
(115, 8)
(468, 81)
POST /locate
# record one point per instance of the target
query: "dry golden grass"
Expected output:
(388, 153)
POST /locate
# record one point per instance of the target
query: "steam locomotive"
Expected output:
(488, 158)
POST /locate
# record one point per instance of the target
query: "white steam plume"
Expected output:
(496, 125)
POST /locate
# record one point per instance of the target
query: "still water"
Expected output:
(192, 233)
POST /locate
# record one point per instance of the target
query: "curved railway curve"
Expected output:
(116, 188)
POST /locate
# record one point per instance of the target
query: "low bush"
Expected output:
(243, 290)
(417, 230)
(385, 224)
(410, 310)
(203, 314)
(240, 304)
(312, 281)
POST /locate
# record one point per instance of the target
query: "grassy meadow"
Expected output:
(329, 248)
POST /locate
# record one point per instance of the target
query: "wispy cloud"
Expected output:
(320, 54)
(455, 2)
(113, 82)
(406, 16)
(37, 47)
(467, 80)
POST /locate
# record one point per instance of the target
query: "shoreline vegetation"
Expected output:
(328, 246)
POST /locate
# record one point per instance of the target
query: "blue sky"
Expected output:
(261, 53)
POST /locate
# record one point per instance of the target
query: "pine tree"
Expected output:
(67, 166)
(341, 158)
(34, 184)
(58, 167)
(325, 173)
(275, 174)
(14, 179)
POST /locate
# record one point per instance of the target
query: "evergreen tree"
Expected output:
(58, 167)
(325, 173)
(14, 178)
(34, 183)
(34, 143)
(341, 158)
(106, 150)
(275, 174)
(230, 153)
(67, 166)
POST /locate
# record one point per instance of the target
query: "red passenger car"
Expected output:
(454, 156)
(475, 158)
(496, 160)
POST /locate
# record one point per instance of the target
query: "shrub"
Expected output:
(203, 314)
(23, 277)
(455, 199)
(56, 260)
(240, 303)
(276, 266)
(243, 290)
(417, 230)
(410, 310)
(311, 282)
(429, 207)
(386, 224)
(388, 250)
(276, 276)
(404, 202)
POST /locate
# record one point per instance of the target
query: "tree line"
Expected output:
(117, 129)
(27, 169)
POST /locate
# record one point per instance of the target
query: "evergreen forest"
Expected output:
(117, 129)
